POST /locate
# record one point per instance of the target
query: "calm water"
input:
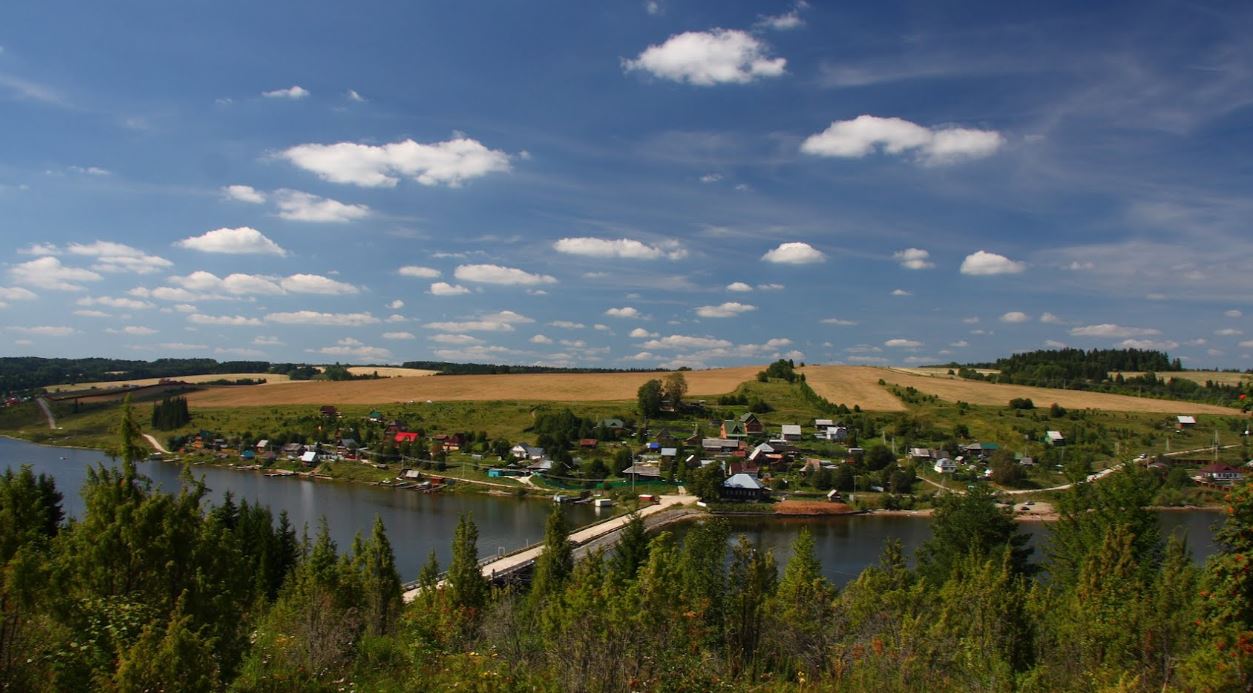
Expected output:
(417, 523)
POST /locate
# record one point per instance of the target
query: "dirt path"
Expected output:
(156, 445)
(43, 404)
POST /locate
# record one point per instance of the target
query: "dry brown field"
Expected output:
(1196, 376)
(850, 385)
(556, 387)
(942, 371)
(270, 379)
(390, 371)
(976, 392)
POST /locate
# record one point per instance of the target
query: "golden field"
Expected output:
(270, 379)
(1199, 377)
(390, 371)
(555, 387)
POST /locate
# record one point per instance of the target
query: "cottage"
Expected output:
(348, 444)
(643, 472)
(822, 424)
(834, 496)
(262, 445)
(791, 432)
(375, 416)
(719, 444)
(945, 466)
(1221, 474)
(406, 437)
(1183, 421)
(309, 458)
(612, 424)
(669, 452)
(981, 450)
(921, 454)
(293, 450)
(833, 433)
(732, 428)
(743, 487)
(1054, 438)
(540, 466)
(761, 451)
(588, 443)
(522, 451)
(752, 425)
(247, 455)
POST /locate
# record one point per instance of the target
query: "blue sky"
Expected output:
(625, 184)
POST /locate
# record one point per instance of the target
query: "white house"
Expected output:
(522, 451)
(833, 433)
(1054, 438)
(945, 466)
(1184, 421)
(762, 449)
(823, 424)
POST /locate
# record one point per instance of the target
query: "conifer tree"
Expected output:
(556, 560)
(467, 588)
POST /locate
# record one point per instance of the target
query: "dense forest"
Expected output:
(156, 591)
(1076, 369)
(18, 373)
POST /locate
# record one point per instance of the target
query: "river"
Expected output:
(417, 523)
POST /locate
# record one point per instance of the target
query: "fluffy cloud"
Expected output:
(223, 320)
(44, 330)
(901, 292)
(566, 324)
(1151, 344)
(982, 263)
(294, 205)
(1233, 313)
(621, 248)
(678, 341)
(641, 333)
(495, 274)
(419, 272)
(118, 257)
(15, 293)
(1247, 344)
(39, 249)
(267, 341)
(136, 330)
(120, 303)
(623, 312)
(238, 241)
(838, 322)
(706, 58)
(794, 254)
(396, 305)
(769, 287)
(541, 339)
(902, 343)
(1015, 316)
(740, 287)
(783, 22)
(458, 339)
(295, 93)
(913, 258)
(49, 273)
(316, 284)
(502, 321)
(725, 310)
(92, 314)
(309, 317)
(398, 335)
(353, 348)
(207, 284)
(1228, 332)
(443, 163)
(866, 133)
(1050, 319)
(1113, 331)
(446, 289)
(244, 193)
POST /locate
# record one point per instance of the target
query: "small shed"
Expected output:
(945, 466)
(1054, 438)
(791, 432)
(309, 457)
(1183, 421)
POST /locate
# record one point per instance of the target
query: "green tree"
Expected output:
(556, 559)
(971, 524)
(1088, 511)
(380, 582)
(673, 388)
(169, 657)
(706, 482)
(751, 583)
(467, 588)
(631, 553)
(649, 398)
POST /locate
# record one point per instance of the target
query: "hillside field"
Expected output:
(270, 379)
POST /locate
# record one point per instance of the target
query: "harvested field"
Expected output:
(556, 387)
(1200, 377)
(850, 385)
(976, 392)
(390, 371)
(270, 379)
(942, 371)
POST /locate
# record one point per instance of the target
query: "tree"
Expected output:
(971, 524)
(706, 482)
(467, 588)
(751, 583)
(380, 582)
(673, 388)
(169, 658)
(556, 560)
(649, 398)
(632, 550)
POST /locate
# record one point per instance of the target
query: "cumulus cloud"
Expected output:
(15, 293)
(1113, 331)
(902, 343)
(502, 321)
(448, 163)
(446, 289)
(740, 287)
(784, 22)
(1247, 344)
(496, 274)
(310, 317)
(294, 93)
(901, 292)
(541, 339)
(206, 284)
(91, 314)
(641, 333)
(44, 330)
(1228, 332)
(983, 263)
(419, 272)
(316, 284)
(678, 341)
(706, 58)
(49, 273)
(1153, 344)
(237, 241)
(1050, 319)
(725, 310)
(396, 305)
(913, 258)
(398, 335)
(794, 254)
(620, 248)
(769, 287)
(223, 320)
(459, 339)
(182, 346)
(244, 193)
(866, 133)
(267, 341)
(120, 303)
(1015, 316)
(838, 322)
(623, 312)
(119, 257)
(355, 349)
(40, 249)
(295, 205)
(566, 324)
(136, 330)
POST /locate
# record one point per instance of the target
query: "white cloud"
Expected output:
(294, 205)
(244, 193)
(352, 348)
(398, 335)
(983, 263)
(1162, 345)
(960, 344)
(223, 320)
(15, 293)
(238, 241)
(1233, 313)
(396, 305)
(419, 272)
(443, 163)
(295, 93)
(1246, 344)
(118, 257)
(972, 320)
(267, 341)
(642, 356)
(794, 254)
(240, 352)
(44, 331)
(353, 96)
(623, 312)
(866, 133)
(310, 317)
(1015, 316)
(706, 58)
(315, 284)
(783, 22)
(902, 343)
(1113, 331)
(901, 292)
(913, 258)
(39, 249)
(136, 330)
(121, 303)
(725, 310)
(620, 248)
(182, 346)
(1228, 332)
(678, 341)
(839, 322)
(90, 171)
(641, 333)
(541, 339)
(49, 273)
(92, 314)
(566, 324)
(600, 327)
(739, 287)
(396, 317)
(509, 316)
(653, 7)
(1050, 319)
(769, 287)
(496, 274)
(1054, 344)
(459, 339)
(446, 289)
(711, 178)
(207, 283)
